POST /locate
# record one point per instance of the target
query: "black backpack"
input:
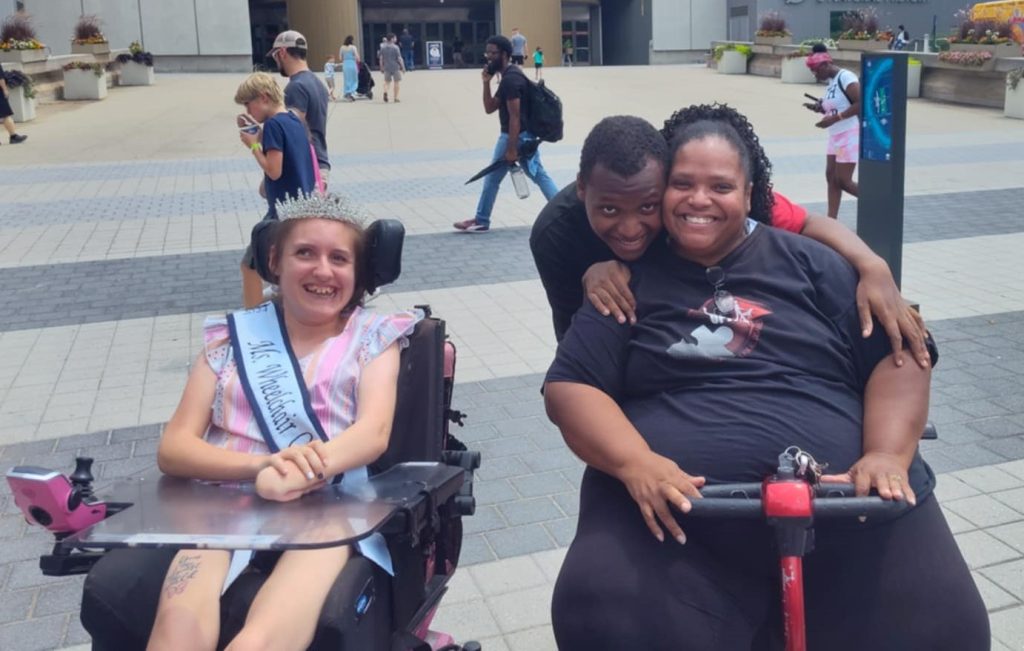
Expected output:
(543, 112)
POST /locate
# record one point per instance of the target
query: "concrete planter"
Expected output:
(23, 56)
(1013, 107)
(914, 79)
(84, 84)
(137, 74)
(773, 40)
(795, 71)
(23, 107)
(862, 46)
(985, 67)
(732, 63)
(90, 48)
(1007, 50)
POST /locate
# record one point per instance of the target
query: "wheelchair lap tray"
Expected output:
(181, 513)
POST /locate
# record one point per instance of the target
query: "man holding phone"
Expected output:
(305, 94)
(511, 103)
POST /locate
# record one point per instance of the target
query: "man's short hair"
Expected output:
(296, 53)
(259, 84)
(502, 43)
(623, 144)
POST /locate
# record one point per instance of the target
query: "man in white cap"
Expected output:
(305, 94)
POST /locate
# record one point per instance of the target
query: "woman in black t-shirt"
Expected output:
(747, 341)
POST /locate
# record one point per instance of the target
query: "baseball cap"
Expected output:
(288, 39)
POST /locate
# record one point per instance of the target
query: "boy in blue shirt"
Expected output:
(280, 144)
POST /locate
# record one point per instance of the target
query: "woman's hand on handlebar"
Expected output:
(654, 482)
(309, 459)
(606, 285)
(886, 473)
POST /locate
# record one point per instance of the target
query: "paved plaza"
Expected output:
(122, 223)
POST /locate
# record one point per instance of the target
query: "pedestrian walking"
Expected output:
(457, 46)
(391, 65)
(407, 45)
(305, 94)
(349, 55)
(538, 64)
(518, 47)
(6, 112)
(329, 77)
(510, 101)
(841, 107)
(278, 141)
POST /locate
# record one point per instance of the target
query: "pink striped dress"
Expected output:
(331, 373)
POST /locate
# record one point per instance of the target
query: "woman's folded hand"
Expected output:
(655, 482)
(272, 484)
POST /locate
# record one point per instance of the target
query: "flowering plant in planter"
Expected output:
(966, 59)
(88, 32)
(860, 25)
(772, 25)
(18, 33)
(137, 55)
(18, 79)
(96, 68)
(980, 32)
(745, 50)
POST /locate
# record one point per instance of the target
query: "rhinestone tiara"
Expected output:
(321, 206)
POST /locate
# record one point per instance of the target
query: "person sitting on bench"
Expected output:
(747, 341)
(246, 416)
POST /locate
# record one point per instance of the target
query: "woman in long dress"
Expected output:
(349, 55)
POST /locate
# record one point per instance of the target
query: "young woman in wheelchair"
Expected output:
(349, 361)
(747, 341)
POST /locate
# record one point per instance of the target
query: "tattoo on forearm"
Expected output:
(184, 570)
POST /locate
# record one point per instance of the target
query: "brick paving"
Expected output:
(110, 266)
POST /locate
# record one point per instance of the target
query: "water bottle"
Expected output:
(519, 181)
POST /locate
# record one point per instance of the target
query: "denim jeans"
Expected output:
(534, 170)
(407, 56)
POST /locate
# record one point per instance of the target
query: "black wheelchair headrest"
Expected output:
(384, 239)
(383, 252)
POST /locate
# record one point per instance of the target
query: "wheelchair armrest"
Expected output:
(930, 433)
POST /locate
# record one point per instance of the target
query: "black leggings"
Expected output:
(900, 585)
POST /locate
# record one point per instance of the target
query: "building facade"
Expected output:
(234, 35)
(821, 18)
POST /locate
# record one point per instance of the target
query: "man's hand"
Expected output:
(511, 153)
(654, 482)
(486, 75)
(606, 285)
(877, 294)
(886, 473)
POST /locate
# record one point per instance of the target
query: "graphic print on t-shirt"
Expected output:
(714, 334)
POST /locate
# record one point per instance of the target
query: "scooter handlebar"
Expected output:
(832, 502)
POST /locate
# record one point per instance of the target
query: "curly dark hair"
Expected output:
(762, 198)
(623, 144)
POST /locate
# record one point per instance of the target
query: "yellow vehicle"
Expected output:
(1010, 11)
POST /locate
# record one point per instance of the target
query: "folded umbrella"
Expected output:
(526, 150)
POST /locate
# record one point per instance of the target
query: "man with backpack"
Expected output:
(512, 101)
